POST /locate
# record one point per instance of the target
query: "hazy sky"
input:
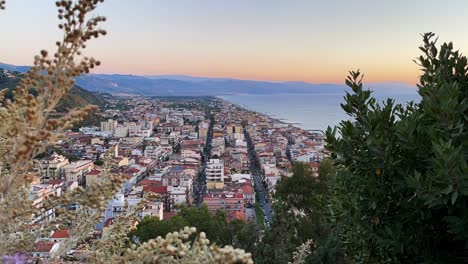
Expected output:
(302, 40)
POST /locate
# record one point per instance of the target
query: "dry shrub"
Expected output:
(28, 128)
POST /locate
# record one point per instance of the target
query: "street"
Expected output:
(262, 192)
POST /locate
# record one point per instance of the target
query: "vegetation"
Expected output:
(259, 216)
(404, 189)
(300, 220)
(396, 189)
(236, 233)
(76, 97)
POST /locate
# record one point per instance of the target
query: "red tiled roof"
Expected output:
(247, 189)
(314, 164)
(168, 215)
(94, 172)
(43, 246)
(60, 234)
(155, 189)
(147, 182)
(55, 182)
(109, 222)
(132, 170)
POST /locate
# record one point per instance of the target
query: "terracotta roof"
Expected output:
(155, 189)
(132, 170)
(168, 215)
(43, 246)
(94, 172)
(148, 182)
(247, 189)
(315, 164)
(55, 182)
(60, 234)
(109, 222)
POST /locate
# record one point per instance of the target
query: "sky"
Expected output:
(316, 41)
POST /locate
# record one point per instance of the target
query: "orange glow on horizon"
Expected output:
(409, 76)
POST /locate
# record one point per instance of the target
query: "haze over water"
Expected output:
(307, 111)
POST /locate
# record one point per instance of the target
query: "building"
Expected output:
(214, 170)
(109, 125)
(153, 209)
(76, 170)
(52, 167)
(92, 177)
(234, 128)
(203, 129)
(134, 130)
(232, 204)
(154, 152)
(60, 236)
(44, 249)
(39, 193)
(120, 131)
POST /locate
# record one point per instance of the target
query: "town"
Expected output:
(193, 151)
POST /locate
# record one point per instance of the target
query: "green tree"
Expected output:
(302, 213)
(217, 228)
(151, 227)
(403, 190)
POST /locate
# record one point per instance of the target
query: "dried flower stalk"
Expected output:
(28, 128)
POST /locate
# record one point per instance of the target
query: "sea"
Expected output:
(307, 111)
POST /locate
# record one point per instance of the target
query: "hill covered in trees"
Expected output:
(75, 98)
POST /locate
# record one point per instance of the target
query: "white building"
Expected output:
(153, 209)
(108, 125)
(52, 167)
(178, 194)
(76, 171)
(214, 170)
(153, 152)
(120, 131)
(134, 130)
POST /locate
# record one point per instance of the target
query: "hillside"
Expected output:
(76, 97)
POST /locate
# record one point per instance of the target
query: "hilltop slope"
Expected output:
(76, 97)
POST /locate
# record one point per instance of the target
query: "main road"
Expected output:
(259, 185)
(200, 187)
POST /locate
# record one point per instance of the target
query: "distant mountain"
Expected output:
(14, 68)
(179, 85)
(76, 97)
(187, 78)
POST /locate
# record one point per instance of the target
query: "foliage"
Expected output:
(259, 216)
(76, 97)
(218, 230)
(301, 216)
(403, 191)
(176, 247)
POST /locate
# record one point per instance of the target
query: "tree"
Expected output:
(404, 184)
(302, 218)
(151, 227)
(215, 226)
(302, 191)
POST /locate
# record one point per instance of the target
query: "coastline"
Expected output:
(272, 118)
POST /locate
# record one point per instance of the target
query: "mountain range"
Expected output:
(183, 85)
